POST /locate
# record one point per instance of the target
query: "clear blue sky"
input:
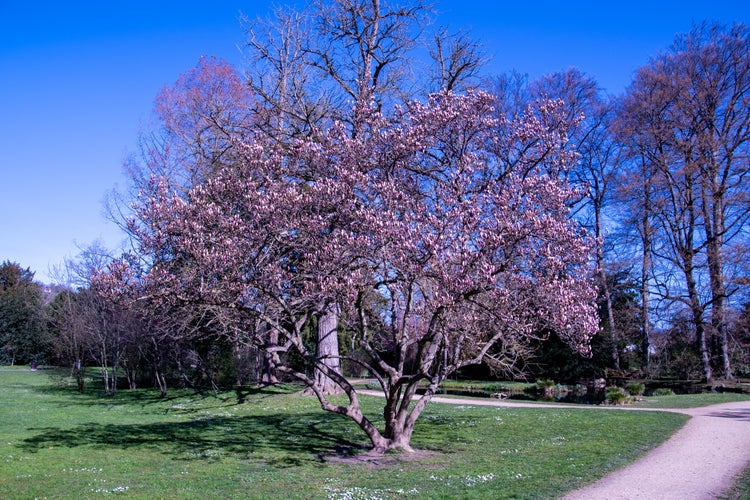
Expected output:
(78, 80)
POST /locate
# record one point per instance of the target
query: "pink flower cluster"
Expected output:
(441, 239)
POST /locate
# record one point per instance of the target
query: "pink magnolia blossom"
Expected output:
(444, 243)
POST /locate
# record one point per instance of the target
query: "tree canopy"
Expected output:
(444, 242)
(22, 323)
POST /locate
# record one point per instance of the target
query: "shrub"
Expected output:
(617, 396)
(635, 389)
(662, 391)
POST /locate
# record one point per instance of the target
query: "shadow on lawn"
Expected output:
(151, 398)
(287, 440)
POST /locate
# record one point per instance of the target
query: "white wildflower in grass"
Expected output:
(118, 489)
(463, 423)
(412, 491)
(351, 493)
(91, 470)
(478, 479)
(466, 481)
(358, 493)
(206, 453)
(508, 452)
(557, 440)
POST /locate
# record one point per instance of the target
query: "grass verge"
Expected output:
(691, 400)
(273, 443)
(741, 489)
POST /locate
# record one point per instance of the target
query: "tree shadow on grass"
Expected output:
(283, 440)
(150, 398)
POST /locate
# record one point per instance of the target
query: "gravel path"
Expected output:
(700, 461)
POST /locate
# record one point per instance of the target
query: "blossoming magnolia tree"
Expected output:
(443, 243)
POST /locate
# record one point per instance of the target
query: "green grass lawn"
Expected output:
(741, 490)
(691, 400)
(274, 443)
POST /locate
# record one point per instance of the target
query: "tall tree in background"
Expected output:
(309, 67)
(662, 136)
(689, 116)
(638, 128)
(634, 199)
(198, 121)
(22, 322)
(590, 113)
(716, 63)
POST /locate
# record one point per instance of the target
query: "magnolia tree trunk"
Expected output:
(161, 382)
(268, 361)
(327, 351)
(402, 410)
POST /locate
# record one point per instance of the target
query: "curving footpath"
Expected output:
(700, 461)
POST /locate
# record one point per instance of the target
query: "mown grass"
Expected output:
(486, 385)
(741, 490)
(691, 400)
(273, 443)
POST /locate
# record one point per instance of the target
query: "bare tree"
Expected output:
(69, 339)
(591, 113)
(716, 63)
(308, 67)
(689, 120)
